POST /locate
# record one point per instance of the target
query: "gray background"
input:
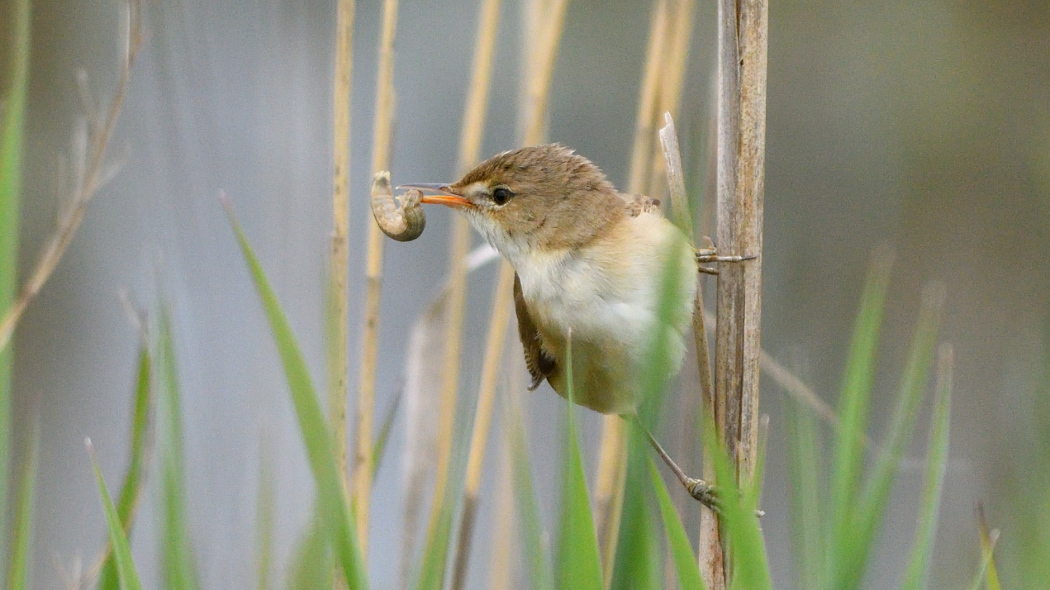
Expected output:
(924, 125)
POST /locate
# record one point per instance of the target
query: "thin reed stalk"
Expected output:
(611, 471)
(482, 425)
(742, 41)
(709, 532)
(537, 93)
(638, 178)
(676, 60)
(338, 317)
(471, 135)
(384, 114)
(666, 35)
(504, 533)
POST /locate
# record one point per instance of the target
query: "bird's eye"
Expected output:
(501, 195)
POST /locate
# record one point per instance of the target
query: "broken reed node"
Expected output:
(572, 206)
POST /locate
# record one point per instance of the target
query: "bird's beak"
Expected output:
(444, 197)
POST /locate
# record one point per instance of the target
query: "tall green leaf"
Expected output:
(22, 535)
(178, 561)
(639, 560)
(987, 572)
(126, 574)
(807, 497)
(872, 505)
(131, 489)
(578, 564)
(312, 567)
(916, 577)
(681, 551)
(537, 563)
(264, 511)
(11, 139)
(435, 556)
(335, 509)
(853, 410)
(749, 569)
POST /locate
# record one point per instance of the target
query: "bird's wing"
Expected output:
(539, 363)
(639, 204)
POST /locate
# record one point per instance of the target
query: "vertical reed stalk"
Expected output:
(675, 62)
(537, 93)
(500, 572)
(611, 451)
(742, 40)
(384, 112)
(338, 345)
(469, 152)
(666, 57)
(482, 425)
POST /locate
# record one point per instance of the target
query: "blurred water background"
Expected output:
(924, 125)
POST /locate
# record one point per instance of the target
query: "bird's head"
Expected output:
(537, 198)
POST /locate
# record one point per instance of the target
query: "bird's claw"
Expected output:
(708, 495)
(704, 493)
(709, 253)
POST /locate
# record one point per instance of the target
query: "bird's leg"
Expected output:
(709, 254)
(699, 489)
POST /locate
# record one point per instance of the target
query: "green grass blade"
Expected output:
(681, 551)
(917, 574)
(22, 535)
(988, 542)
(854, 402)
(807, 496)
(264, 511)
(854, 544)
(435, 557)
(12, 128)
(578, 564)
(179, 563)
(335, 510)
(379, 449)
(131, 490)
(126, 574)
(312, 568)
(750, 566)
(987, 572)
(872, 506)
(540, 575)
(638, 563)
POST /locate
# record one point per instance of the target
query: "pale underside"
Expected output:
(606, 294)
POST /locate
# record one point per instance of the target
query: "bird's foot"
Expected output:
(709, 254)
(708, 495)
(704, 493)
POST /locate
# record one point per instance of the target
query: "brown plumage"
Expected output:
(588, 260)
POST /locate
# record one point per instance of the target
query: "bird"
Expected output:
(596, 270)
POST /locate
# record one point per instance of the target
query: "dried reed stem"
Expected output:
(638, 178)
(469, 153)
(610, 455)
(338, 316)
(482, 425)
(91, 173)
(384, 114)
(338, 346)
(710, 559)
(537, 93)
(676, 58)
(661, 83)
(500, 572)
(742, 40)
